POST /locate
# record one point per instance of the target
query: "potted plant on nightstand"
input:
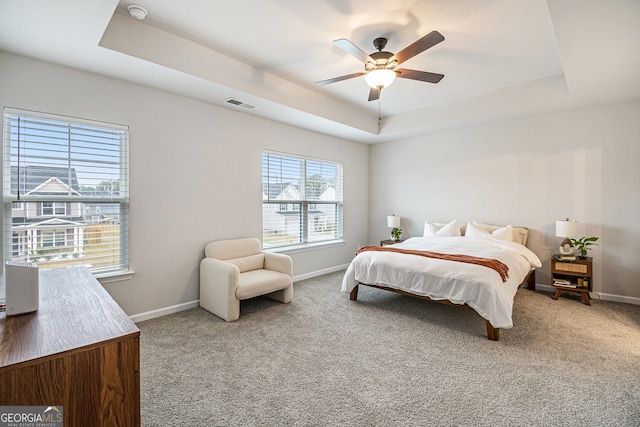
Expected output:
(396, 232)
(583, 244)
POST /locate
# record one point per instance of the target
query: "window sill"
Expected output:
(305, 246)
(115, 276)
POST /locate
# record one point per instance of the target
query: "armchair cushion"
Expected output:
(248, 263)
(260, 282)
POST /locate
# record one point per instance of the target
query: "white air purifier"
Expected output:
(22, 288)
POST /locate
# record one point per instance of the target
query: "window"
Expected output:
(54, 238)
(302, 200)
(60, 171)
(53, 208)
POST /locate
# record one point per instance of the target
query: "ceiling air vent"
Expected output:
(239, 103)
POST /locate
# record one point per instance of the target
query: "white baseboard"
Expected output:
(319, 272)
(193, 304)
(617, 298)
(164, 311)
(596, 295)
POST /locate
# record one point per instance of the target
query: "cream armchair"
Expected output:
(234, 270)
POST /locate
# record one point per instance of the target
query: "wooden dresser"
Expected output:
(79, 351)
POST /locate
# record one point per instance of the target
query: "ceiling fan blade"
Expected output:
(340, 78)
(374, 93)
(420, 45)
(354, 50)
(423, 76)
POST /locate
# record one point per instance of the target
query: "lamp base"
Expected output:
(567, 248)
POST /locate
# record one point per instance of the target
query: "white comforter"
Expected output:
(461, 283)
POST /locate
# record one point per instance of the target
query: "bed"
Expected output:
(454, 282)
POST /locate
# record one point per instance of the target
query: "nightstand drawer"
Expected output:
(573, 268)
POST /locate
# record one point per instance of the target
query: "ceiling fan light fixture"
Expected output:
(380, 78)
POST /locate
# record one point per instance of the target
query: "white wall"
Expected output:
(582, 164)
(195, 174)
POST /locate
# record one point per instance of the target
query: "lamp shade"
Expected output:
(393, 221)
(380, 78)
(566, 228)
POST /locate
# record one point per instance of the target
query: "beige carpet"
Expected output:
(390, 360)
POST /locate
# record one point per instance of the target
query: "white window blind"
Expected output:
(65, 192)
(302, 200)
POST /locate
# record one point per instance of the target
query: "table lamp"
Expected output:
(567, 229)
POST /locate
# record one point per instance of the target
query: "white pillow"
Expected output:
(475, 231)
(487, 227)
(451, 229)
(501, 233)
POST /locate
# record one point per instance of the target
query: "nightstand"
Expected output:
(571, 276)
(390, 242)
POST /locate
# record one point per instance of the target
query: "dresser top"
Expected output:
(75, 311)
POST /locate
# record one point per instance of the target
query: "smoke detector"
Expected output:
(137, 12)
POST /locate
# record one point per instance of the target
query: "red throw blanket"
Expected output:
(498, 266)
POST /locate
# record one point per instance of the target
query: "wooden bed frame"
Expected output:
(492, 333)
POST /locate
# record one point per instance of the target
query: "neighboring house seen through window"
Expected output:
(301, 200)
(65, 192)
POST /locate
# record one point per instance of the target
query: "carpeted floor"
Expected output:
(390, 360)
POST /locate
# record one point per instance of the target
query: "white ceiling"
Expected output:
(500, 58)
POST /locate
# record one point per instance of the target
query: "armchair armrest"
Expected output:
(218, 285)
(278, 262)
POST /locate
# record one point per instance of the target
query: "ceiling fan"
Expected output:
(381, 67)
